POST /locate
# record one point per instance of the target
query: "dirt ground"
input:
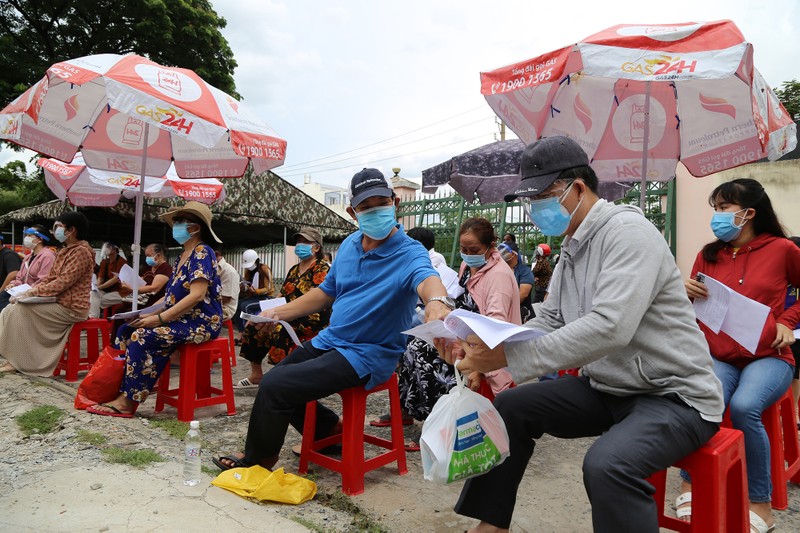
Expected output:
(55, 482)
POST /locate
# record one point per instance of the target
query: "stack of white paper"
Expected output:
(460, 323)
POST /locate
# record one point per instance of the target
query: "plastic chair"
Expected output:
(353, 464)
(780, 421)
(194, 388)
(71, 361)
(229, 324)
(719, 487)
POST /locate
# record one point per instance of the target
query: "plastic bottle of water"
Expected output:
(191, 463)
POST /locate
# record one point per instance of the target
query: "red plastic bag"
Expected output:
(102, 382)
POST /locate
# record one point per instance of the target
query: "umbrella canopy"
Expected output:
(640, 98)
(488, 171)
(84, 186)
(106, 106)
(101, 104)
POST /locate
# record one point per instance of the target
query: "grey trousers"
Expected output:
(640, 435)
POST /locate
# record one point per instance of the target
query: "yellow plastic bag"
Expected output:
(259, 483)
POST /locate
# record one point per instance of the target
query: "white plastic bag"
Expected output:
(464, 436)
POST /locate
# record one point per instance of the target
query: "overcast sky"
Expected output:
(396, 84)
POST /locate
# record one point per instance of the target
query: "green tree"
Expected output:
(789, 95)
(19, 189)
(37, 33)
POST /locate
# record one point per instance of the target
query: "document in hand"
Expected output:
(128, 277)
(135, 314)
(19, 289)
(728, 311)
(258, 319)
(271, 302)
(460, 323)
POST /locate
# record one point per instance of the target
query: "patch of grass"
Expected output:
(40, 420)
(362, 521)
(212, 471)
(137, 458)
(308, 524)
(90, 437)
(173, 427)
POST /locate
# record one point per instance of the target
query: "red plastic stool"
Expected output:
(780, 421)
(353, 465)
(71, 361)
(229, 324)
(194, 388)
(719, 487)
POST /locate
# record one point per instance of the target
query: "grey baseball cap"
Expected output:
(543, 161)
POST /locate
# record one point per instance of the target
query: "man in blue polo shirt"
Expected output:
(372, 288)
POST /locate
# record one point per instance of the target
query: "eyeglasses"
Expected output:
(558, 193)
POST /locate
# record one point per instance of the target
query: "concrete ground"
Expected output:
(58, 482)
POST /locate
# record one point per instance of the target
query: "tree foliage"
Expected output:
(37, 33)
(789, 95)
(19, 189)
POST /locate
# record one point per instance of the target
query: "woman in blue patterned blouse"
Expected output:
(192, 312)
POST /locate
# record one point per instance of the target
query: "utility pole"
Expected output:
(502, 126)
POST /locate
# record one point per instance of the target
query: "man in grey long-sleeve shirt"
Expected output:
(617, 309)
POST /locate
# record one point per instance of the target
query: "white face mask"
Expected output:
(251, 268)
(29, 243)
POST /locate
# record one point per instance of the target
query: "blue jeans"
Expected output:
(748, 392)
(248, 305)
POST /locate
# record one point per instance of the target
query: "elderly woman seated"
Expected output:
(37, 264)
(192, 312)
(33, 333)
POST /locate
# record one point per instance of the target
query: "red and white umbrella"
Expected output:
(129, 114)
(84, 186)
(640, 98)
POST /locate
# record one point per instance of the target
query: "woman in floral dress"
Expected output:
(304, 276)
(192, 312)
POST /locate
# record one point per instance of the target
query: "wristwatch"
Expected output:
(446, 300)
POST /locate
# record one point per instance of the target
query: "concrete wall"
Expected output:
(781, 180)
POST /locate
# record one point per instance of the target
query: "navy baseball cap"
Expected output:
(543, 161)
(368, 183)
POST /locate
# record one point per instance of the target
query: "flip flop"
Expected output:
(245, 384)
(412, 446)
(117, 413)
(237, 462)
(384, 421)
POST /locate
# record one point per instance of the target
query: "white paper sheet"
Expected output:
(797, 334)
(460, 323)
(19, 289)
(711, 311)
(271, 302)
(94, 282)
(745, 321)
(728, 311)
(135, 314)
(258, 319)
(128, 277)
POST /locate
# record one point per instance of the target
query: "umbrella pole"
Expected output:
(137, 221)
(645, 148)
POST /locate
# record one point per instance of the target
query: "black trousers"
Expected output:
(306, 374)
(641, 435)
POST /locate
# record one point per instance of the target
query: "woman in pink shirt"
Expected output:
(36, 265)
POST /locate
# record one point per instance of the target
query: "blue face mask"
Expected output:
(303, 251)
(724, 225)
(549, 215)
(377, 222)
(59, 234)
(151, 261)
(180, 232)
(474, 261)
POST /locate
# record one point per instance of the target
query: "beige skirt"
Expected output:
(33, 336)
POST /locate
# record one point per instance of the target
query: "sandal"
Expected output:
(114, 411)
(384, 421)
(245, 384)
(757, 524)
(412, 446)
(684, 513)
(237, 462)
